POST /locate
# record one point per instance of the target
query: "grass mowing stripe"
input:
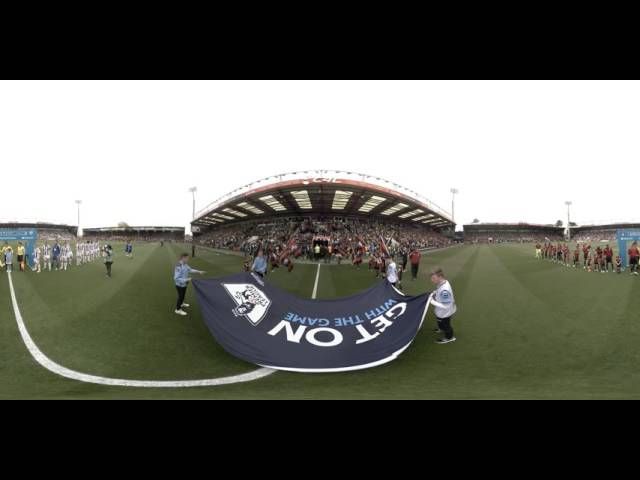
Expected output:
(602, 321)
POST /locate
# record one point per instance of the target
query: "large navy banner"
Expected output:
(266, 326)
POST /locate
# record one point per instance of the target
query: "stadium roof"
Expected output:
(608, 226)
(42, 225)
(575, 228)
(509, 226)
(323, 192)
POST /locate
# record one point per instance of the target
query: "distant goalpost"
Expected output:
(624, 237)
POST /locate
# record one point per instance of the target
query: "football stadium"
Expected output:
(319, 240)
(529, 322)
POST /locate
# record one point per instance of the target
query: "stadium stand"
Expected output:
(148, 234)
(338, 231)
(511, 233)
(600, 233)
(46, 231)
(336, 209)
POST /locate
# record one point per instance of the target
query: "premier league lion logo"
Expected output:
(251, 302)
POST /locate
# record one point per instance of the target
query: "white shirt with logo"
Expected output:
(392, 273)
(443, 301)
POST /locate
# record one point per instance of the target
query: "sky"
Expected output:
(130, 150)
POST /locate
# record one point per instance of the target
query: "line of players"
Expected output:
(59, 257)
(598, 260)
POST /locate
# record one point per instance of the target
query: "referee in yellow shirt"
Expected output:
(20, 252)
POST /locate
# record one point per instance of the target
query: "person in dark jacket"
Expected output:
(108, 259)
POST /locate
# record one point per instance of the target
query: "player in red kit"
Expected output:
(585, 254)
(597, 259)
(414, 259)
(634, 258)
(576, 257)
(589, 262)
(357, 259)
(608, 256)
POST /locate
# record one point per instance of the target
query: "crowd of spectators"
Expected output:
(134, 235)
(60, 236)
(511, 237)
(604, 235)
(335, 235)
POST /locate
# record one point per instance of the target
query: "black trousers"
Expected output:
(182, 292)
(414, 271)
(108, 265)
(444, 324)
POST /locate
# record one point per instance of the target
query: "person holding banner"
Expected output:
(181, 279)
(392, 272)
(259, 264)
(444, 305)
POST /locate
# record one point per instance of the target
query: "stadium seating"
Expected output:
(601, 233)
(139, 234)
(47, 231)
(511, 233)
(302, 231)
(504, 237)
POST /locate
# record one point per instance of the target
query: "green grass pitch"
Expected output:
(525, 329)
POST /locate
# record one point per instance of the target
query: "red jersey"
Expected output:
(634, 252)
(414, 257)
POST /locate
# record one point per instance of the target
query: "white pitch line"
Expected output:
(315, 285)
(52, 366)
